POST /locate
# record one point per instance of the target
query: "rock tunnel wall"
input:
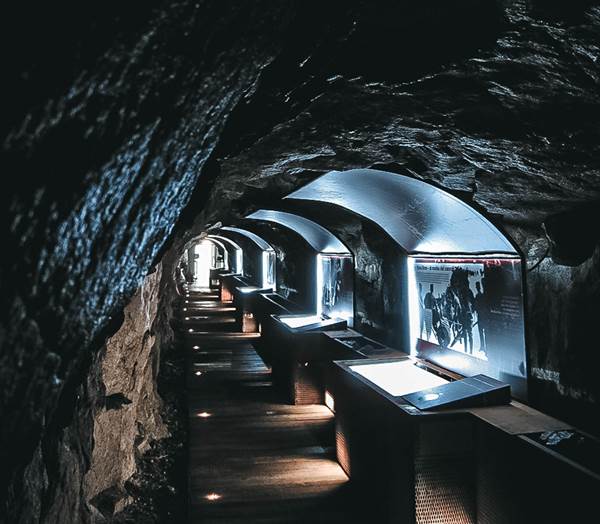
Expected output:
(129, 130)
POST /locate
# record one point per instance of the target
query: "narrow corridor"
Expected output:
(253, 458)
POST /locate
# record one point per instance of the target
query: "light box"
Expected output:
(297, 321)
(335, 286)
(247, 289)
(466, 315)
(398, 378)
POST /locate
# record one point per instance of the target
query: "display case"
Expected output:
(413, 466)
(454, 285)
(245, 300)
(299, 358)
(259, 260)
(501, 463)
(235, 254)
(329, 280)
(267, 306)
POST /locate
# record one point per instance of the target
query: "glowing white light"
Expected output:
(185, 309)
(203, 263)
(431, 396)
(212, 496)
(198, 373)
(301, 320)
(190, 330)
(196, 347)
(187, 318)
(247, 289)
(268, 269)
(329, 401)
(398, 378)
(319, 306)
(239, 261)
(204, 414)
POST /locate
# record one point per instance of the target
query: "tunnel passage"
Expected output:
(130, 130)
(459, 347)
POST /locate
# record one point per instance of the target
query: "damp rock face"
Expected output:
(128, 130)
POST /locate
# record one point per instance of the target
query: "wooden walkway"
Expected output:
(254, 459)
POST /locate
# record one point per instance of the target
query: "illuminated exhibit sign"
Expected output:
(466, 314)
(335, 287)
(268, 269)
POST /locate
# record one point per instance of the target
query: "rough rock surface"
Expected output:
(129, 419)
(129, 129)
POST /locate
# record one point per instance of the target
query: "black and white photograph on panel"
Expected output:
(473, 307)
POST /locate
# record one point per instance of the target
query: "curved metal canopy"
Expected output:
(319, 238)
(226, 240)
(237, 263)
(216, 242)
(421, 218)
(264, 246)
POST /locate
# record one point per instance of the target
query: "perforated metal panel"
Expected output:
(341, 447)
(497, 463)
(445, 472)
(444, 490)
(308, 388)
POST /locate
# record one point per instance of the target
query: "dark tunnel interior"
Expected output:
(175, 348)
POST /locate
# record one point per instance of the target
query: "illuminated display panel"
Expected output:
(247, 289)
(335, 287)
(398, 378)
(297, 321)
(466, 314)
(268, 269)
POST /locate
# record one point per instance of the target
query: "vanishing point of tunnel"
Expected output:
(300, 262)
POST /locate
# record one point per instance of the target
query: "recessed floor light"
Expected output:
(204, 414)
(212, 496)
